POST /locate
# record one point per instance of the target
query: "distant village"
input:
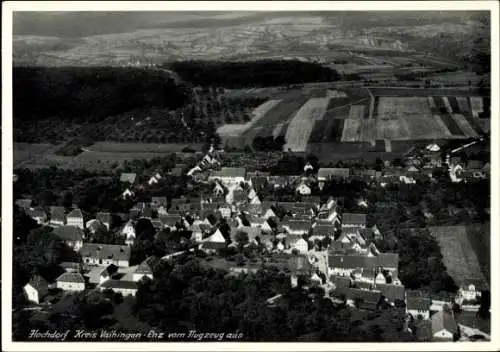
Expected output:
(313, 240)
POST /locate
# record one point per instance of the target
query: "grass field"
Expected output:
(24, 151)
(461, 262)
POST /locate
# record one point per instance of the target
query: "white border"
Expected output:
(7, 9)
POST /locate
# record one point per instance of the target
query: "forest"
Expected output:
(89, 94)
(261, 73)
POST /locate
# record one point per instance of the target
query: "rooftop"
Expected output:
(105, 251)
(333, 171)
(119, 284)
(71, 277)
(354, 219)
(230, 172)
(128, 177)
(75, 213)
(444, 319)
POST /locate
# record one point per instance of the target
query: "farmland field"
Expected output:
(454, 105)
(406, 118)
(463, 105)
(24, 151)
(464, 125)
(451, 125)
(461, 262)
(301, 125)
(141, 147)
(476, 104)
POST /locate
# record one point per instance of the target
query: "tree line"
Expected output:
(260, 73)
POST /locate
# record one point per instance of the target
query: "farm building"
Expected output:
(444, 326)
(126, 288)
(353, 220)
(71, 282)
(229, 176)
(325, 174)
(105, 254)
(344, 264)
(418, 306)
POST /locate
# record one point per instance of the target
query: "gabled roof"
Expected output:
(354, 219)
(75, 213)
(444, 319)
(69, 233)
(105, 251)
(230, 172)
(128, 177)
(170, 220)
(143, 268)
(24, 203)
(391, 292)
(57, 213)
(385, 260)
(36, 213)
(297, 225)
(418, 303)
(120, 284)
(323, 230)
(71, 277)
(39, 283)
(333, 171)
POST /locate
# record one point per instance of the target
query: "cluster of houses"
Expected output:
(103, 266)
(332, 248)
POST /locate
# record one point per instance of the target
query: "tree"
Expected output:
(241, 238)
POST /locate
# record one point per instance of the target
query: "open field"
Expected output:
(406, 118)
(110, 147)
(464, 125)
(461, 262)
(24, 151)
(425, 92)
(301, 126)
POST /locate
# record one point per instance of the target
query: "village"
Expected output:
(314, 240)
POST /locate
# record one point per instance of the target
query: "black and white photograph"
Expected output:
(279, 172)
